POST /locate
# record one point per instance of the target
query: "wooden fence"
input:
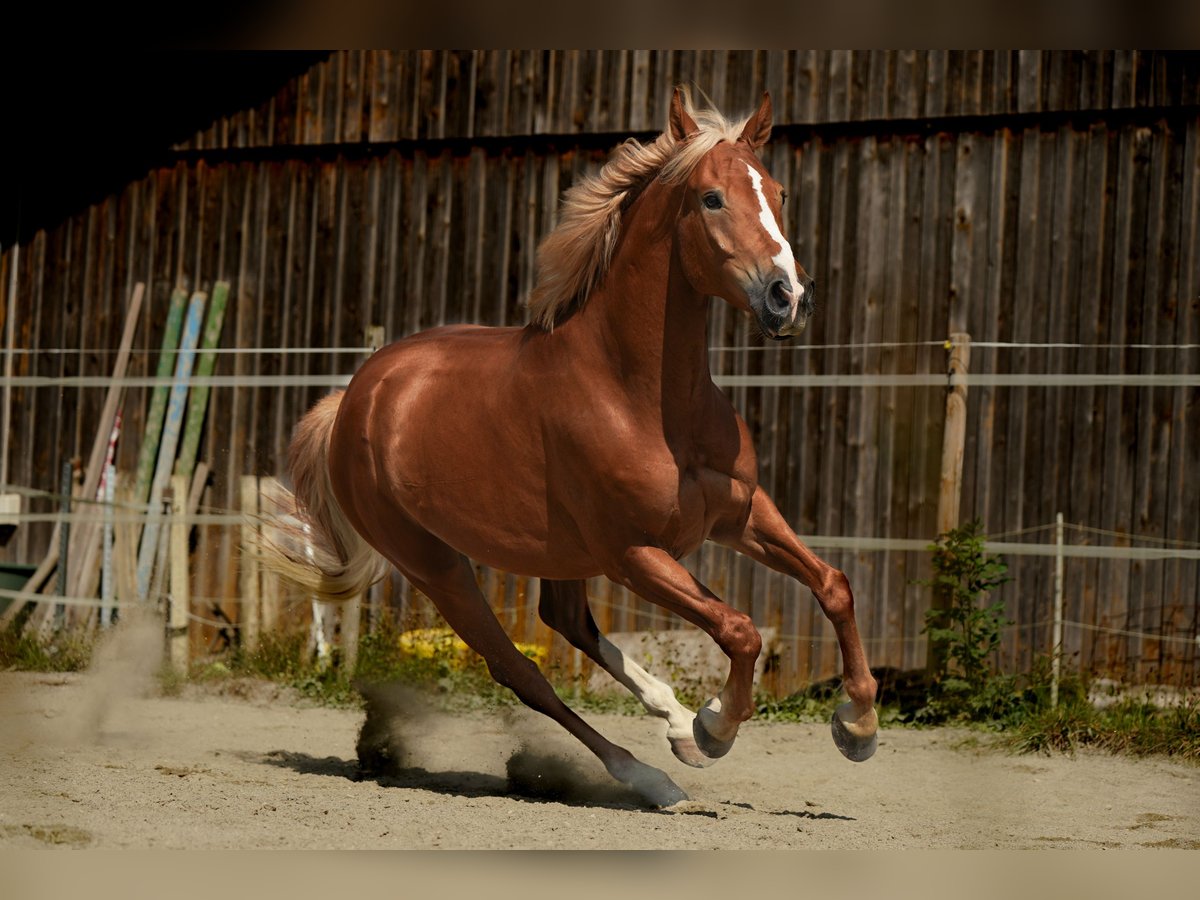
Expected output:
(1029, 199)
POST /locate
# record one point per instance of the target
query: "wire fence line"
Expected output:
(640, 613)
(130, 513)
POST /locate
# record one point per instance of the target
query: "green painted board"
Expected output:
(148, 454)
(185, 464)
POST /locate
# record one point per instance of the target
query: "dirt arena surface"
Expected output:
(91, 761)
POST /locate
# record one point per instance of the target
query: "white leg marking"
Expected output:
(783, 258)
(657, 697)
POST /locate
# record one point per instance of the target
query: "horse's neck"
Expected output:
(648, 321)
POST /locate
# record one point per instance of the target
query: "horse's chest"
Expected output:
(705, 497)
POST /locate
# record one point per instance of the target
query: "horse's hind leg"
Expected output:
(564, 608)
(446, 577)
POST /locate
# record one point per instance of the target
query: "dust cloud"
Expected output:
(125, 661)
(405, 736)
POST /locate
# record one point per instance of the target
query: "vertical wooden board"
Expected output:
(880, 65)
(777, 84)
(1088, 418)
(1116, 462)
(894, 421)
(505, 285)
(843, 307)
(285, 215)
(530, 235)
(440, 216)
(840, 74)
(344, 325)
(458, 104)
(366, 291)
(1136, 425)
(355, 91)
(987, 323)
(1055, 451)
(501, 118)
(1029, 81)
(1016, 430)
(394, 261)
(1155, 413)
(609, 99)
(414, 232)
(1038, 509)
(639, 84)
(804, 87)
(866, 315)
(933, 324)
(474, 191)
(936, 88)
(1004, 94)
(902, 100)
(379, 99)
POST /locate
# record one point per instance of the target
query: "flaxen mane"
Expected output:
(572, 259)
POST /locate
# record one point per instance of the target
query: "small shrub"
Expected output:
(966, 632)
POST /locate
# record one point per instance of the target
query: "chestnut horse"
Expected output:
(591, 441)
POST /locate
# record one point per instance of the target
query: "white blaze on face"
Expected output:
(783, 258)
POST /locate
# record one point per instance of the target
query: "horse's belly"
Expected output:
(490, 522)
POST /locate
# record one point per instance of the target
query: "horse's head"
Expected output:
(730, 229)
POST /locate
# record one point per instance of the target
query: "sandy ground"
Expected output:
(92, 761)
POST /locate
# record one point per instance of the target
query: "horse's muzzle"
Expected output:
(781, 312)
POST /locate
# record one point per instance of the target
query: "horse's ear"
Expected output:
(681, 124)
(758, 126)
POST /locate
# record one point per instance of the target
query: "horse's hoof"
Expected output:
(688, 752)
(712, 747)
(856, 739)
(654, 785)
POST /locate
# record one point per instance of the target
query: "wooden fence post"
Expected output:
(180, 606)
(271, 497)
(950, 489)
(248, 615)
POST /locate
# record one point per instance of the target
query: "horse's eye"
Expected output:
(782, 197)
(712, 200)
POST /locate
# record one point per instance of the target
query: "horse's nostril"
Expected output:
(777, 297)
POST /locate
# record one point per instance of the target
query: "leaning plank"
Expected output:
(99, 446)
(170, 441)
(198, 401)
(158, 399)
(84, 553)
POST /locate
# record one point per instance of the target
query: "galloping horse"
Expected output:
(591, 441)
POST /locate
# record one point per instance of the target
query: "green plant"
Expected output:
(1131, 727)
(62, 651)
(964, 632)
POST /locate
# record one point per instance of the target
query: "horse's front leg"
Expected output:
(654, 574)
(767, 538)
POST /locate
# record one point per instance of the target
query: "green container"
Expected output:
(12, 578)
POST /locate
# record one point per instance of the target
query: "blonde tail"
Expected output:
(319, 550)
